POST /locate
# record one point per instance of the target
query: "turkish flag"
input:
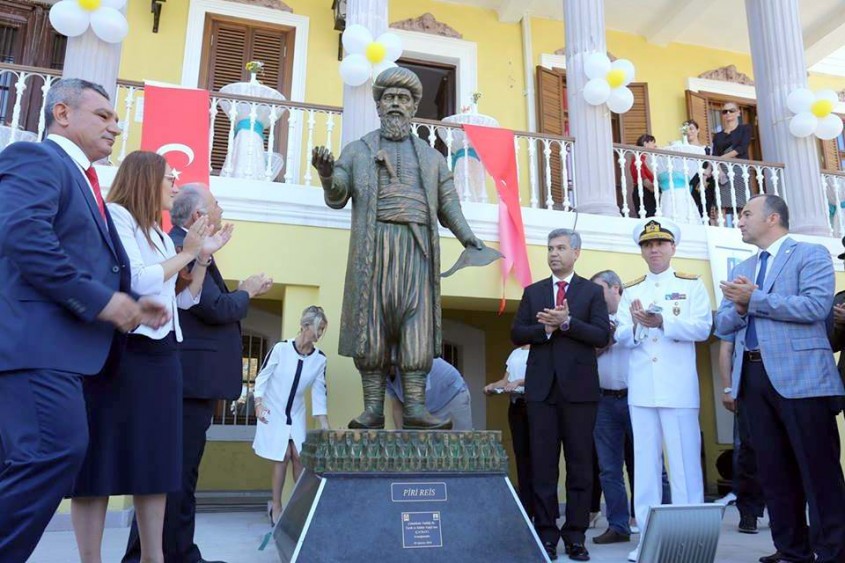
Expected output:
(495, 149)
(176, 123)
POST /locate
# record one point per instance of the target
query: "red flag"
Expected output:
(176, 123)
(495, 149)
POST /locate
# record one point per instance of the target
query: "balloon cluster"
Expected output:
(72, 18)
(814, 114)
(609, 82)
(367, 57)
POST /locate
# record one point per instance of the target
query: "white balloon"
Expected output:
(355, 39)
(829, 95)
(68, 18)
(803, 124)
(596, 65)
(627, 66)
(800, 100)
(829, 127)
(109, 25)
(621, 99)
(392, 43)
(116, 4)
(596, 91)
(382, 66)
(355, 69)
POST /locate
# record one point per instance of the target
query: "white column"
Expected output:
(777, 53)
(595, 182)
(89, 58)
(359, 109)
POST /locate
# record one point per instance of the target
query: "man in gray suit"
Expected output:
(785, 378)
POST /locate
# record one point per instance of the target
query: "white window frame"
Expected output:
(552, 61)
(194, 38)
(446, 50)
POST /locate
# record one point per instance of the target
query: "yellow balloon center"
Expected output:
(616, 78)
(376, 52)
(821, 108)
(89, 5)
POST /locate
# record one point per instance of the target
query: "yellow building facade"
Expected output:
(283, 229)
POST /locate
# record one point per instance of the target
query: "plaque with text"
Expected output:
(421, 529)
(418, 492)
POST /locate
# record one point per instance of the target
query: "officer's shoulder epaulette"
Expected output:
(632, 283)
(686, 276)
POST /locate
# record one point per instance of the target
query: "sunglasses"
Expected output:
(727, 111)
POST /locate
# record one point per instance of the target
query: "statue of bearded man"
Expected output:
(400, 187)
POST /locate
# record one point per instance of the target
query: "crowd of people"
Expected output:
(686, 194)
(120, 338)
(620, 358)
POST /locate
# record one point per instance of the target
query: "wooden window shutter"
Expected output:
(551, 112)
(831, 159)
(229, 46)
(636, 120)
(697, 106)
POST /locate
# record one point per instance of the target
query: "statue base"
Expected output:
(405, 495)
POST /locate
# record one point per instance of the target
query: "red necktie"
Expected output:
(91, 173)
(561, 293)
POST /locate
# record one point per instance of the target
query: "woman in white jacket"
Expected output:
(292, 367)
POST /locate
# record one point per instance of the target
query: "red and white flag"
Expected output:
(176, 123)
(495, 149)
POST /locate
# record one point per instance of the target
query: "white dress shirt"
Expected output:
(555, 279)
(147, 272)
(773, 250)
(516, 364)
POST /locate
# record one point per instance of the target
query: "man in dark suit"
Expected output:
(836, 325)
(211, 355)
(564, 319)
(65, 290)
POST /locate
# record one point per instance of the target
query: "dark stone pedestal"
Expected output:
(377, 515)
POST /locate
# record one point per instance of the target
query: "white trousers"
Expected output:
(680, 431)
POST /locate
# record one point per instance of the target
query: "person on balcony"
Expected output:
(135, 418)
(778, 305)
(732, 142)
(643, 173)
(65, 303)
(661, 317)
(707, 189)
(289, 370)
(211, 358)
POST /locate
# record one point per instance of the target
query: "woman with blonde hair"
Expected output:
(135, 418)
(291, 367)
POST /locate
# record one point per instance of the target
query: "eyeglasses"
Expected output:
(171, 178)
(727, 111)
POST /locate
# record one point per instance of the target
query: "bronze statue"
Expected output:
(400, 188)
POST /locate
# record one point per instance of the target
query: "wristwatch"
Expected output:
(727, 390)
(565, 325)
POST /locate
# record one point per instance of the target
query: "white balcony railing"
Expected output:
(690, 188)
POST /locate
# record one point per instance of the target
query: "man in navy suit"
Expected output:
(211, 354)
(785, 378)
(564, 319)
(64, 292)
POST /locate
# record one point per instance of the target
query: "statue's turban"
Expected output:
(398, 77)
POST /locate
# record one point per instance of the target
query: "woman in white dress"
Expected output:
(292, 367)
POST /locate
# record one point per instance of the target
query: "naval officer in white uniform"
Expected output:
(661, 317)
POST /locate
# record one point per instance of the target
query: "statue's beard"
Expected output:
(395, 127)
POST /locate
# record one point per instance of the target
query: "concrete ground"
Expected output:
(235, 538)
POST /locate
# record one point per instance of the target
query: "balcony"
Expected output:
(283, 188)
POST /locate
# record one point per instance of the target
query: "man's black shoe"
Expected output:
(551, 550)
(748, 524)
(611, 536)
(775, 557)
(577, 552)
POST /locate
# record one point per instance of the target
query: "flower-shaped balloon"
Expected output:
(814, 114)
(609, 82)
(72, 18)
(367, 57)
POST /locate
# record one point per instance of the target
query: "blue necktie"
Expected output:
(751, 332)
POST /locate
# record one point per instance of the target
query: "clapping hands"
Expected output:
(643, 317)
(201, 240)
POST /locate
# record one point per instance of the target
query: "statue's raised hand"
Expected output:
(323, 161)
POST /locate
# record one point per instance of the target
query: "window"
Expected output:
(451, 353)
(832, 154)
(26, 38)
(439, 84)
(242, 411)
(230, 43)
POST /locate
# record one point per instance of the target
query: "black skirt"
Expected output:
(135, 423)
